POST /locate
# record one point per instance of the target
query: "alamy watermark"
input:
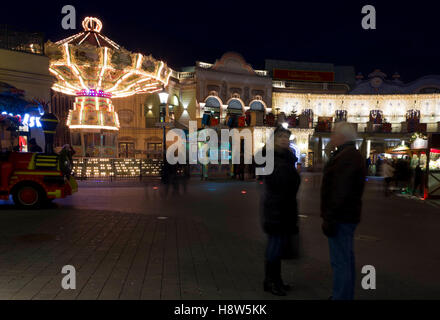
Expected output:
(369, 280)
(369, 20)
(69, 280)
(209, 152)
(69, 20)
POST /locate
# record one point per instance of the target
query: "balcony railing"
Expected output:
(186, 75)
(380, 128)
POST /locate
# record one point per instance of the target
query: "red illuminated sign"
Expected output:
(301, 75)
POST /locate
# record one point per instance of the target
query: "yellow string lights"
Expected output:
(358, 107)
(89, 60)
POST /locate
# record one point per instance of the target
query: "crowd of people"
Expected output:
(174, 176)
(399, 172)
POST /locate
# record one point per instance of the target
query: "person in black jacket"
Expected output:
(341, 203)
(279, 211)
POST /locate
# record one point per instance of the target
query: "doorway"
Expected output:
(126, 150)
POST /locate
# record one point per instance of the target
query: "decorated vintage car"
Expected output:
(34, 179)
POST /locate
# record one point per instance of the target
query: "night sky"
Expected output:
(407, 38)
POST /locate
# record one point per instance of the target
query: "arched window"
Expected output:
(235, 105)
(213, 105)
(257, 105)
(212, 102)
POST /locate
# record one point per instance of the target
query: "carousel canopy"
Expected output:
(91, 61)
(91, 35)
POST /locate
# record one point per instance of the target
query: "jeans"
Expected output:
(273, 259)
(274, 247)
(342, 261)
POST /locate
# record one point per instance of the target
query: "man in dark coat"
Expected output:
(279, 211)
(341, 202)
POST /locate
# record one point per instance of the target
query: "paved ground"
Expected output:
(127, 242)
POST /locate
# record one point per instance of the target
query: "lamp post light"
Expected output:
(163, 97)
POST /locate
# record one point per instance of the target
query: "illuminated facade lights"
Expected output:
(394, 107)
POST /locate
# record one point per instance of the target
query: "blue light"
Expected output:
(26, 119)
(29, 121)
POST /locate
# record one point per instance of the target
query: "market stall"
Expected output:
(424, 152)
(433, 166)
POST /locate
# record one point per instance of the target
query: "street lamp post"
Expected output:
(163, 97)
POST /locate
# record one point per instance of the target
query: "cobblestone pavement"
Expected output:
(127, 240)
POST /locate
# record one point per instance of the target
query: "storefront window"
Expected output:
(126, 150)
(154, 146)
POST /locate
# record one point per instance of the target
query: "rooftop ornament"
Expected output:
(92, 24)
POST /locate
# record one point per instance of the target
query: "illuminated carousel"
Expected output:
(95, 70)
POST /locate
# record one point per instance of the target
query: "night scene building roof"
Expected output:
(377, 83)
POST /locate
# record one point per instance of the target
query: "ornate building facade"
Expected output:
(378, 83)
(231, 77)
(384, 112)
